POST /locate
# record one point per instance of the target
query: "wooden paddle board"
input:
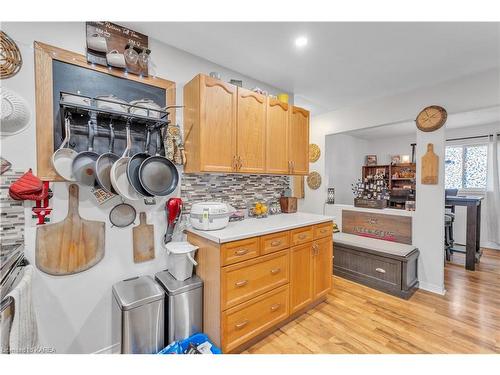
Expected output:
(72, 245)
(144, 242)
(430, 166)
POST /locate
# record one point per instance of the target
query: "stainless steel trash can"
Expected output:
(184, 306)
(138, 315)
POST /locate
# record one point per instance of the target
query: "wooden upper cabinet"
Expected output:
(210, 110)
(277, 161)
(299, 141)
(251, 133)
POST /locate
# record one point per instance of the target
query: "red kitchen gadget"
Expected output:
(174, 209)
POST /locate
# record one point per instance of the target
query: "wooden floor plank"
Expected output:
(358, 319)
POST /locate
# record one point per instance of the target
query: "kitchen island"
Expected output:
(260, 274)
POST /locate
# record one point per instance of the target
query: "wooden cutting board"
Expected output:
(144, 242)
(430, 166)
(72, 245)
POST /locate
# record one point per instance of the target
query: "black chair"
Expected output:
(449, 219)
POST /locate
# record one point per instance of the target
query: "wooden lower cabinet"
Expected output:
(247, 320)
(301, 271)
(252, 286)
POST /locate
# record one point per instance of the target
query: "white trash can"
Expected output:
(181, 259)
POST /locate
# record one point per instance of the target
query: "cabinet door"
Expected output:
(299, 141)
(218, 125)
(251, 134)
(322, 266)
(301, 276)
(277, 160)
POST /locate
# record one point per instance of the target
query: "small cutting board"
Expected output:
(144, 242)
(430, 166)
(72, 245)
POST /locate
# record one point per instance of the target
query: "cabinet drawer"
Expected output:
(237, 251)
(274, 242)
(243, 281)
(243, 322)
(301, 235)
(323, 230)
(372, 269)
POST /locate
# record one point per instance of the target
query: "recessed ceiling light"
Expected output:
(301, 41)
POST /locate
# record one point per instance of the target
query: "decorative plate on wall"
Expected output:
(431, 118)
(10, 57)
(314, 180)
(314, 152)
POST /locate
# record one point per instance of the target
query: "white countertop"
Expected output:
(257, 227)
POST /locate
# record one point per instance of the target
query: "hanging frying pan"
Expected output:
(157, 174)
(105, 162)
(118, 173)
(83, 165)
(62, 158)
(133, 167)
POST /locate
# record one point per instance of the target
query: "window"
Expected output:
(466, 167)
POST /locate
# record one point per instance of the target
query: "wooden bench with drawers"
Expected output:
(255, 285)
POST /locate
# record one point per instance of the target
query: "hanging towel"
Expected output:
(24, 332)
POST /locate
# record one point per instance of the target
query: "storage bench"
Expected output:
(387, 266)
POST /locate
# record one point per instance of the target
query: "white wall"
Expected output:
(459, 226)
(74, 312)
(471, 92)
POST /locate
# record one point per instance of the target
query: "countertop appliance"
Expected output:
(209, 215)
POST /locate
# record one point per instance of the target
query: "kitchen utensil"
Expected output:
(62, 158)
(14, 115)
(288, 205)
(83, 166)
(105, 162)
(182, 259)
(76, 99)
(134, 164)
(149, 108)
(97, 42)
(131, 55)
(122, 215)
(72, 245)
(209, 215)
(174, 209)
(116, 59)
(28, 187)
(430, 166)
(118, 173)
(157, 174)
(112, 103)
(143, 238)
(12, 60)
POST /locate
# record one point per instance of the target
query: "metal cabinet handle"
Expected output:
(381, 270)
(275, 307)
(241, 324)
(275, 243)
(239, 163)
(241, 252)
(234, 163)
(323, 230)
(241, 283)
(274, 271)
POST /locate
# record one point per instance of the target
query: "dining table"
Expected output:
(473, 226)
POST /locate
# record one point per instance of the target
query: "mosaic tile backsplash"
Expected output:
(11, 212)
(236, 189)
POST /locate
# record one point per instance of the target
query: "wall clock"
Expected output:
(431, 118)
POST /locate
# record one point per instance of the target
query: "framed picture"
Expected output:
(395, 159)
(371, 159)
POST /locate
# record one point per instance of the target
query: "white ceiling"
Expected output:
(344, 63)
(477, 117)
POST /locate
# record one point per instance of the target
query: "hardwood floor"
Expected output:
(357, 319)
